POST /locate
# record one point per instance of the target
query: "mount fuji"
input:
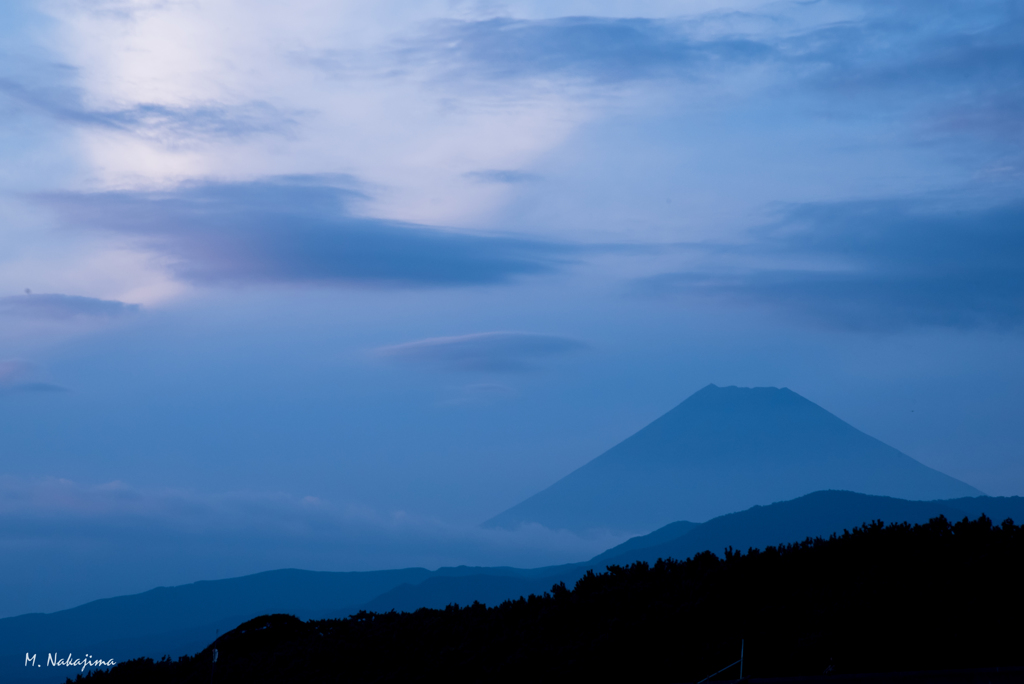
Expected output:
(726, 449)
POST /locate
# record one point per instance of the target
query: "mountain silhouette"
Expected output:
(184, 619)
(722, 450)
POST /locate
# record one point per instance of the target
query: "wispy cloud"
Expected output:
(594, 49)
(958, 73)
(501, 352)
(881, 265)
(58, 509)
(852, 48)
(300, 230)
(960, 70)
(170, 124)
(136, 538)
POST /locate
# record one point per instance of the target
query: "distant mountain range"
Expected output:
(722, 450)
(879, 604)
(179, 620)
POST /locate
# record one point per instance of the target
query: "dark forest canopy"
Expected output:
(875, 599)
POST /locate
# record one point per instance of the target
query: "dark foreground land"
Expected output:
(933, 597)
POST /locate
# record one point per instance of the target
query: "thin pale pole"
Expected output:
(741, 658)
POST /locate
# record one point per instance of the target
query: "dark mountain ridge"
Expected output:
(818, 514)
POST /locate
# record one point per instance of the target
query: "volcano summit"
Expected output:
(726, 449)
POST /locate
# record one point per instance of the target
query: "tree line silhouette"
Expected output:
(878, 598)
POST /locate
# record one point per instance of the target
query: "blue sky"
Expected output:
(327, 285)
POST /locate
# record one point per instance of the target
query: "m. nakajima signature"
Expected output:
(53, 660)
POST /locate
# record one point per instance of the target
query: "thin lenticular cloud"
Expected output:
(18, 377)
(292, 230)
(502, 176)
(62, 307)
(501, 352)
